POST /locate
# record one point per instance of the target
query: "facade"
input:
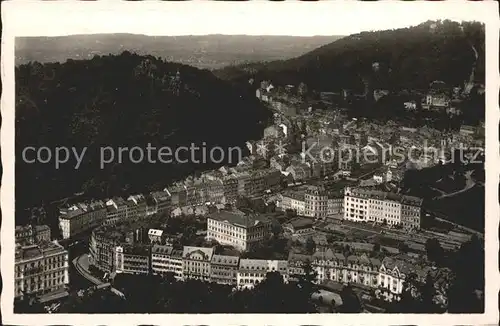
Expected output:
(132, 259)
(224, 269)
(102, 246)
(164, 259)
(335, 204)
(237, 230)
(40, 269)
(253, 271)
(81, 217)
(196, 263)
(316, 199)
(161, 202)
(32, 234)
(294, 200)
(136, 206)
(116, 210)
(230, 188)
(363, 205)
(299, 226)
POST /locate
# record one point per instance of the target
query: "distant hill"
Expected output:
(124, 101)
(207, 51)
(396, 59)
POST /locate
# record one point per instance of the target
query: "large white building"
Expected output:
(366, 205)
(40, 269)
(237, 230)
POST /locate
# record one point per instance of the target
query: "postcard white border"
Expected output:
(113, 11)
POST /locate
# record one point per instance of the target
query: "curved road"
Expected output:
(82, 267)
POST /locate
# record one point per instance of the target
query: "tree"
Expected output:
(434, 250)
(467, 279)
(310, 245)
(376, 247)
(350, 301)
(330, 239)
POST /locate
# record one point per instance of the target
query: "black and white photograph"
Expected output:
(235, 162)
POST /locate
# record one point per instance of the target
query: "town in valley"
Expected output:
(360, 188)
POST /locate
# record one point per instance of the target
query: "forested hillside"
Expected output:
(407, 58)
(126, 100)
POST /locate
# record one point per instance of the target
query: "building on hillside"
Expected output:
(132, 259)
(81, 217)
(236, 230)
(32, 234)
(382, 207)
(224, 269)
(40, 269)
(164, 259)
(196, 263)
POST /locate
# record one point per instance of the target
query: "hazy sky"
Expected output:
(207, 17)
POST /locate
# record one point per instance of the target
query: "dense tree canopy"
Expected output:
(406, 58)
(122, 101)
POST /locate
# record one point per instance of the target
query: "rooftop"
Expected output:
(382, 195)
(225, 260)
(245, 221)
(163, 250)
(39, 250)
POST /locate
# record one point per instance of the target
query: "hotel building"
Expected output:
(237, 230)
(382, 207)
(40, 269)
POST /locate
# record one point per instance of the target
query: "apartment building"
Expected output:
(237, 230)
(224, 269)
(132, 259)
(116, 210)
(253, 271)
(196, 262)
(31, 234)
(81, 217)
(316, 200)
(164, 259)
(230, 188)
(136, 206)
(382, 207)
(40, 269)
(293, 200)
(160, 202)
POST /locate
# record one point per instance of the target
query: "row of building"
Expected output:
(204, 264)
(355, 204)
(216, 187)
